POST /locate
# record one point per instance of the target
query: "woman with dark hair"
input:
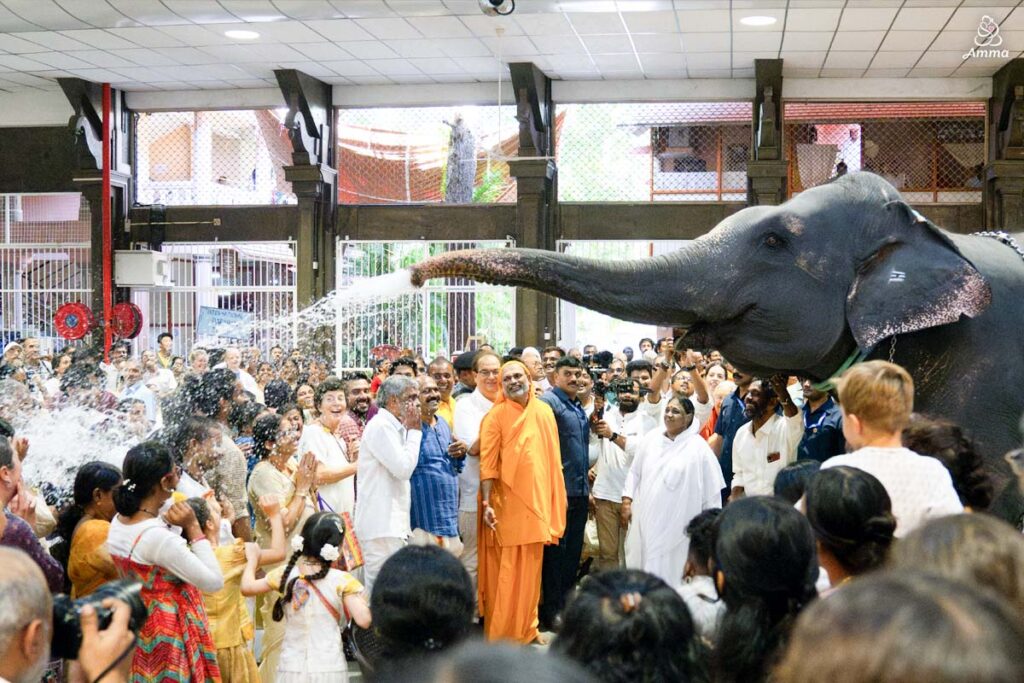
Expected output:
(305, 396)
(423, 602)
(851, 515)
(905, 627)
(316, 600)
(84, 526)
(765, 570)
(947, 443)
(276, 394)
(698, 589)
(978, 550)
(791, 481)
(175, 642)
(626, 625)
(292, 413)
(276, 475)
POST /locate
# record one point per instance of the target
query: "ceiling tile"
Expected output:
(941, 58)
(485, 26)
(195, 36)
(438, 65)
(709, 60)
(660, 42)
(867, 19)
(339, 30)
(45, 14)
(743, 73)
(708, 21)
(922, 18)
(368, 49)
(908, 40)
(394, 67)
(376, 79)
(212, 85)
(418, 8)
(253, 10)
(142, 73)
(358, 9)
(742, 60)
(886, 73)
(97, 75)
(795, 72)
(464, 47)
(850, 41)
(259, 70)
(148, 12)
(314, 69)
(650, 22)
(102, 58)
(516, 45)
(240, 54)
(663, 74)
(28, 79)
(559, 45)
(59, 60)
(1014, 22)
(143, 57)
(9, 21)
(100, 39)
(452, 78)
(442, 27)
(11, 43)
(146, 37)
(179, 55)
(930, 72)
(707, 42)
(818, 19)
(805, 41)
(934, 3)
(389, 29)
(544, 24)
(711, 73)
(323, 52)
(201, 12)
(621, 62)
(661, 61)
(848, 60)
(570, 62)
(310, 9)
(976, 71)
(277, 52)
(608, 44)
(591, 23)
(349, 68)
(804, 60)
(253, 83)
(286, 32)
(969, 18)
(17, 63)
(204, 72)
(892, 60)
(757, 42)
(841, 73)
(52, 40)
(416, 48)
(955, 40)
(779, 15)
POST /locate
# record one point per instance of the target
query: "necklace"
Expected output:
(154, 515)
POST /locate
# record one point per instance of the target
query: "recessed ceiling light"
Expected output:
(242, 35)
(758, 20)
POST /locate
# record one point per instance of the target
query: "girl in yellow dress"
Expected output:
(226, 608)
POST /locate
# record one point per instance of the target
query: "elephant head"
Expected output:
(795, 288)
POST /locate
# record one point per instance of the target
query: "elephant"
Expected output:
(839, 273)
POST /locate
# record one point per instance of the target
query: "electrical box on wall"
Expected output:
(141, 269)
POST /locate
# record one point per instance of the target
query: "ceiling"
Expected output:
(180, 44)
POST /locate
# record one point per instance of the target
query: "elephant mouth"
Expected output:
(705, 334)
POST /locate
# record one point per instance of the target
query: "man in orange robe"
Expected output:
(523, 505)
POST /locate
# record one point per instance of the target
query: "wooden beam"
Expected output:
(445, 222)
(219, 224)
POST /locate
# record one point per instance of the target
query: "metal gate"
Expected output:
(443, 317)
(44, 262)
(578, 326)
(257, 278)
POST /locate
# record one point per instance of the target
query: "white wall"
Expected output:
(34, 108)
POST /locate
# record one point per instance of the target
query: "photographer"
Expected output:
(26, 628)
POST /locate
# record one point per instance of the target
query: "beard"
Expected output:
(627, 407)
(517, 392)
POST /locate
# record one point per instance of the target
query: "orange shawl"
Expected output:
(519, 450)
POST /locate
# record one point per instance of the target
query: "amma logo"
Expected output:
(987, 40)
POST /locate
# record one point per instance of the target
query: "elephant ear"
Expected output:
(916, 279)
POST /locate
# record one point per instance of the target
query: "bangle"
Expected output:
(689, 368)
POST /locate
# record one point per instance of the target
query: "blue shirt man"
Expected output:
(730, 418)
(573, 439)
(435, 481)
(823, 426)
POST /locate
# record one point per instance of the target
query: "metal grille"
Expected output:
(257, 278)
(653, 151)
(932, 152)
(454, 155)
(212, 157)
(438, 319)
(578, 326)
(44, 262)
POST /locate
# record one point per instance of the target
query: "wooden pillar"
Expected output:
(1004, 177)
(535, 173)
(767, 168)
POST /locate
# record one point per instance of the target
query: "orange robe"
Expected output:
(519, 452)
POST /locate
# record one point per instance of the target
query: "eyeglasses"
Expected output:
(488, 373)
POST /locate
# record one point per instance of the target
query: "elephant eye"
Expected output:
(773, 240)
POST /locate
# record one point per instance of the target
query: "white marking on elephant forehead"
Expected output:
(897, 276)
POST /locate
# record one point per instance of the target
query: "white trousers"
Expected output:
(375, 552)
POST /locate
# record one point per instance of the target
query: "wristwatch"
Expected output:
(615, 436)
(689, 368)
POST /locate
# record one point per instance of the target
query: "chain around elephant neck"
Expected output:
(1003, 237)
(892, 349)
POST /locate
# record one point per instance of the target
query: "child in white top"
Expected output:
(317, 599)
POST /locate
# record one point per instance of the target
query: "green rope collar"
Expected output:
(856, 357)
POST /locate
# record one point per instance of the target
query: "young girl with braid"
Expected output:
(316, 600)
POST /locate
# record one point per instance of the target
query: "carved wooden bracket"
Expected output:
(533, 108)
(86, 100)
(309, 120)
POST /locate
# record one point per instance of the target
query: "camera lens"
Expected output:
(67, 613)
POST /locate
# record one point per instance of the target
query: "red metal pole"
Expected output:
(108, 255)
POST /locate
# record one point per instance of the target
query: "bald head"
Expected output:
(26, 617)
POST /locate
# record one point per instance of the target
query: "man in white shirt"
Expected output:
(159, 380)
(876, 399)
(233, 362)
(388, 454)
(618, 434)
(768, 442)
(134, 387)
(531, 358)
(469, 413)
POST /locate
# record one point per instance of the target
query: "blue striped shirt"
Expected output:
(435, 483)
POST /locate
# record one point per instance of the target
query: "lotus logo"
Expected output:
(987, 39)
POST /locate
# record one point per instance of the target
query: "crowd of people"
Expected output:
(648, 515)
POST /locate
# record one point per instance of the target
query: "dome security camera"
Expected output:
(498, 8)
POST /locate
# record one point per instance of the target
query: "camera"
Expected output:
(498, 8)
(67, 615)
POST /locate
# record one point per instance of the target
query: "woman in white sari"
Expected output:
(674, 476)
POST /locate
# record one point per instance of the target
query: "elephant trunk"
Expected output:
(642, 290)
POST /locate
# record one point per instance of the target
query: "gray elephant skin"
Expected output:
(798, 288)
